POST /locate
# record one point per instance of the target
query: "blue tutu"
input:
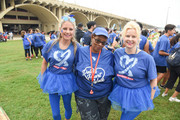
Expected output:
(138, 99)
(57, 83)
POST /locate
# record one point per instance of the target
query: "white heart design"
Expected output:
(130, 62)
(98, 77)
(62, 59)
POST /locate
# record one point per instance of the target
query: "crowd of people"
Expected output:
(100, 74)
(104, 67)
(33, 42)
(5, 35)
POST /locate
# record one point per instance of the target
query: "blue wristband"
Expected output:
(154, 88)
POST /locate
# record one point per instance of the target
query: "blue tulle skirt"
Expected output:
(57, 83)
(138, 99)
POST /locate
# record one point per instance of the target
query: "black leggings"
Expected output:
(27, 52)
(32, 49)
(36, 50)
(174, 74)
(93, 109)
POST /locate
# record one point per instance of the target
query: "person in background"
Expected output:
(151, 48)
(58, 79)
(108, 40)
(135, 82)
(43, 38)
(38, 42)
(94, 71)
(144, 43)
(172, 35)
(50, 34)
(58, 34)
(79, 32)
(2, 39)
(155, 30)
(53, 35)
(161, 51)
(87, 36)
(167, 74)
(112, 37)
(5, 34)
(1, 36)
(26, 44)
(30, 38)
(10, 36)
(174, 73)
(114, 40)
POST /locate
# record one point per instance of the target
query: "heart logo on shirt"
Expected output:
(127, 63)
(98, 77)
(62, 57)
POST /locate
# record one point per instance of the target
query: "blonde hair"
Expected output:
(132, 25)
(23, 33)
(37, 30)
(73, 40)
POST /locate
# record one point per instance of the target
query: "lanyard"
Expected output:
(93, 72)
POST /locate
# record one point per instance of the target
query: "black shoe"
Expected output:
(162, 86)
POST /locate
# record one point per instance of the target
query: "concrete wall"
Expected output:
(49, 13)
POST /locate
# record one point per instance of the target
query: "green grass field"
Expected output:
(22, 99)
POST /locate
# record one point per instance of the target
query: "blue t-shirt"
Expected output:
(38, 41)
(102, 84)
(162, 44)
(118, 37)
(43, 38)
(108, 40)
(60, 61)
(25, 42)
(172, 36)
(30, 36)
(133, 70)
(53, 36)
(177, 45)
(87, 38)
(143, 41)
(5, 34)
(111, 38)
(150, 46)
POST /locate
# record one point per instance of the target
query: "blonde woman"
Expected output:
(135, 80)
(58, 79)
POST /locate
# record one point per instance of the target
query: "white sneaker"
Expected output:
(41, 56)
(174, 99)
(163, 95)
(36, 57)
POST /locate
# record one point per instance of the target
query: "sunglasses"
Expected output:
(99, 41)
(70, 17)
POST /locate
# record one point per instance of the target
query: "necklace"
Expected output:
(93, 72)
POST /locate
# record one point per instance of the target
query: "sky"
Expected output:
(153, 12)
